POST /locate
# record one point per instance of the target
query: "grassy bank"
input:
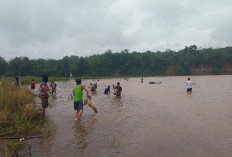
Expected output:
(18, 117)
(27, 79)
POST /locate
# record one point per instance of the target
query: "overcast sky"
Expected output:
(58, 28)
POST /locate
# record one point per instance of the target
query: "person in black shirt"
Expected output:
(118, 89)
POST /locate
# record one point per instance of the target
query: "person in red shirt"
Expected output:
(32, 85)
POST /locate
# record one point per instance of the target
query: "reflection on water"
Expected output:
(81, 136)
(147, 120)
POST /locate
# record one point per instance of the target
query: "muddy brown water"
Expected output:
(147, 121)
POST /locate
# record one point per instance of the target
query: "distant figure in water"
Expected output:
(17, 80)
(93, 88)
(53, 87)
(142, 80)
(32, 85)
(107, 90)
(189, 85)
(95, 85)
(118, 89)
(78, 102)
(90, 85)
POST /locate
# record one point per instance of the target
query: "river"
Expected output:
(147, 120)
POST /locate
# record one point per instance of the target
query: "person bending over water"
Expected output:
(107, 90)
(78, 102)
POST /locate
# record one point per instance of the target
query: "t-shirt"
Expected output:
(32, 83)
(44, 93)
(118, 89)
(107, 90)
(189, 84)
(78, 94)
(53, 85)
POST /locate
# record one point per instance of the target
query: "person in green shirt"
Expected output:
(78, 102)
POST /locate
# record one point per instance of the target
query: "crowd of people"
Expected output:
(45, 89)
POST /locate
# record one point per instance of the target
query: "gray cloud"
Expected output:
(55, 28)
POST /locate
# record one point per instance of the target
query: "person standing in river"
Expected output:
(43, 87)
(53, 87)
(189, 86)
(17, 80)
(32, 85)
(78, 102)
(118, 89)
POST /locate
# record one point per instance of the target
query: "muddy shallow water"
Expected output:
(147, 121)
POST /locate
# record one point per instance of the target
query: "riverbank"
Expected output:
(27, 79)
(19, 117)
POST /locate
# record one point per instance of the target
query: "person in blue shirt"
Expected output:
(107, 90)
(53, 87)
(17, 81)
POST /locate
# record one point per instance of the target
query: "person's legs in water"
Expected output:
(78, 105)
(44, 105)
(79, 113)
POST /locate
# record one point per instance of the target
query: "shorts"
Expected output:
(44, 101)
(53, 90)
(189, 89)
(32, 87)
(78, 105)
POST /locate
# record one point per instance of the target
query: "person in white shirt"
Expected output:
(189, 86)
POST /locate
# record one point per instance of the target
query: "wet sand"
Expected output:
(147, 121)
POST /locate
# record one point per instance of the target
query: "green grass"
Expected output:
(27, 79)
(16, 118)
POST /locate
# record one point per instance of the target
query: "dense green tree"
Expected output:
(3, 66)
(124, 63)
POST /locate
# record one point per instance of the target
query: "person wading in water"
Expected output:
(78, 102)
(118, 89)
(44, 93)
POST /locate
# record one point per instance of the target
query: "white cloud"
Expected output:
(56, 28)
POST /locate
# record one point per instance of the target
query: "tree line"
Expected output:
(122, 63)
